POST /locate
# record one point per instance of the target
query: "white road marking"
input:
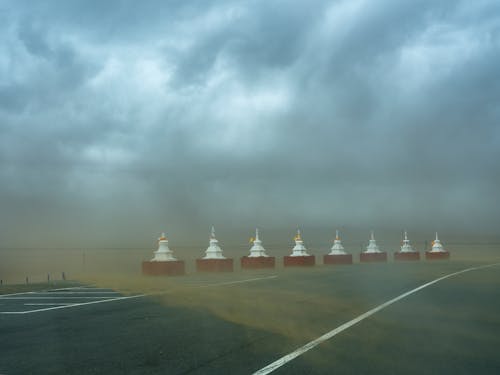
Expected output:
(312, 344)
(239, 281)
(78, 293)
(72, 305)
(57, 290)
(77, 288)
(15, 294)
(46, 304)
(101, 299)
(47, 297)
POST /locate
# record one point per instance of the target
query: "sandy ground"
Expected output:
(202, 325)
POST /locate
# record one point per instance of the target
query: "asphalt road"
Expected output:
(206, 325)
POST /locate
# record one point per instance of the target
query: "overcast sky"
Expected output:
(119, 119)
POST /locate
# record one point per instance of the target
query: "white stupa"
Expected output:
(437, 246)
(299, 250)
(163, 254)
(406, 247)
(213, 251)
(257, 249)
(372, 245)
(337, 248)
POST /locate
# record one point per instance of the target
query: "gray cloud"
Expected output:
(119, 119)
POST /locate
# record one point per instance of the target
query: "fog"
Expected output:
(120, 120)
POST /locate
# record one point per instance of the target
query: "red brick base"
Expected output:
(373, 257)
(402, 256)
(337, 259)
(300, 261)
(168, 268)
(253, 263)
(214, 265)
(445, 255)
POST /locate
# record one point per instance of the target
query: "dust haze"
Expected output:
(120, 120)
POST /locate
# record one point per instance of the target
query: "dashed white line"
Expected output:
(312, 344)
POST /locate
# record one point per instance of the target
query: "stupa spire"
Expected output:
(437, 246)
(372, 244)
(406, 247)
(337, 247)
(257, 250)
(163, 253)
(299, 249)
(213, 251)
(298, 236)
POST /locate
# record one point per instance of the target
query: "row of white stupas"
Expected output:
(164, 253)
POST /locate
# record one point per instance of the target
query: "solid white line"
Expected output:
(77, 288)
(239, 281)
(79, 293)
(72, 305)
(47, 297)
(312, 344)
(47, 304)
(15, 294)
(55, 290)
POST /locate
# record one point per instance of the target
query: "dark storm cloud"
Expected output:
(133, 117)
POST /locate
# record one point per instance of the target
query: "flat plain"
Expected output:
(240, 322)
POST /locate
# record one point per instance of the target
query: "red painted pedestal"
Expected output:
(168, 268)
(337, 259)
(373, 257)
(444, 255)
(300, 261)
(253, 263)
(402, 256)
(214, 265)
